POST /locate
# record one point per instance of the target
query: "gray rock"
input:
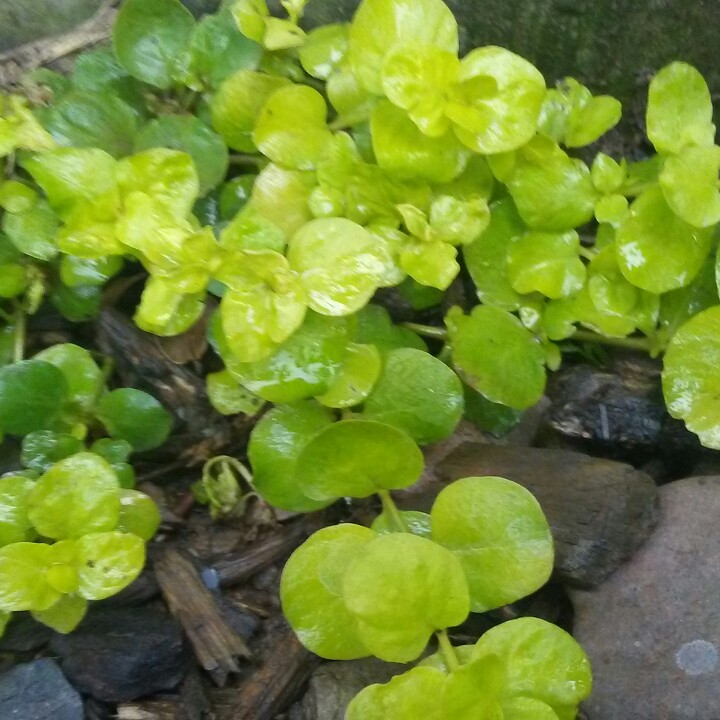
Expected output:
(120, 654)
(38, 691)
(600, 511)
(652, 631)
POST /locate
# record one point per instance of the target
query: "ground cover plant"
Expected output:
(278, 180)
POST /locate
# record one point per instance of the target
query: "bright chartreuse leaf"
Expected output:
(339, 263)
(13, 280)
(107, 562)
(375, 326)
(33, 232)
(431, 263)
(402, 149)
(282, 196)
(400, 590)
(357, 376)
(139, 514)
(311, 591)
(217, 49)
(486, 257)
(76, 272)
(552, 191)
(19, 127)
(135, 416)
(412, 694)
(689, 182)
(497, 356)
(32, 395)
(656, 250)
(472, 691)
(357, 458)
(42, 448)
(541, 661)
(323, 50)
(264, 305)
(236, 106)
(607, 174)
(165, 311)
(275, 443)
(150, 38)
(65, 615)
(76, 496)
(381, 25)
(416, 393)
(547, 263)
(679, 111)
(23, 571)
(690, 380)
(497, 530)
(496, 105)
(228, 397)
(188, 134)
(16, 197)
(15, 525)
(290, 129)
(92, 119)
(414, 522)
(527, 708)
(83, 377)
(304, 365)
(249, 230)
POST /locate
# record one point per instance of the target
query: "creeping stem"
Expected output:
(447, 650)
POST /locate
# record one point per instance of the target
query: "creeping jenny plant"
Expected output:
(274, 179)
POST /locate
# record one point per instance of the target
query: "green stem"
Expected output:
(391, 510)
(244, 159)
(642, 344)
(429, 331)
(343, 122)
(447, 650)
(20, 333)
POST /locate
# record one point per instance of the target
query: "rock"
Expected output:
(333, 685)
(24, 634)
(600, 511)
(652, 630)
(120, 654)
(38, 691)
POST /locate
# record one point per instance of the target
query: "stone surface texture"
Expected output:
(38, 691)
(652, 630)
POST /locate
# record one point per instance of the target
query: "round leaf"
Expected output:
(76, 496)
(416, 523)
(357, 458)
(135, 416)
(691, 384)
(356, 378)
(65, 615)
(228, 397)
(497, 356)
(400, 590)
(139, 514)
(311, 591)
(191, 135)
(150, 37)
(42, 448)
(339, 263)
(108, 562)
(656, 250)
(32, 394)
(15, 525)
(33, 232)
(498, 531)
(275, 443)
(418, 394)
(23, 569)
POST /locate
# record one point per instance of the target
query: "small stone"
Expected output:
(120, 654)
(38, 691)
(600, 511)
(652, 631)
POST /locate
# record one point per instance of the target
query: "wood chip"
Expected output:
(215, 643)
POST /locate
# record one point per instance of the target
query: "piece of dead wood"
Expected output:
(234, 568)
(271, 688)
(216, 644)
(16, 62)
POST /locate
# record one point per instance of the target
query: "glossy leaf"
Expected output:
(282, 196)
(657, 251)
(76, 496)
(690, 380)
(15, 525)
(108, 562)
(135, 416)
(33, 232)
(228, 397)
(23, 567)
(42, 448)
(32, 394)
(150, 37)
(400, 590)
(65, 615)
(414, 521)
(139, 515)
(357, 458)
(323, 50)
(418, 394)
(679, 111)
(497, 530)
(488, 342)
(311, 591)
(357, 376)
(472, 691)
